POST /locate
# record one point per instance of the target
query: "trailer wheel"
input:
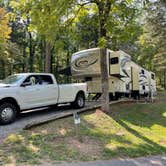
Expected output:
(79, 101)
(8, 113)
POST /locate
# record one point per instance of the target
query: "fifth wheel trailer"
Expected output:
(126, 78)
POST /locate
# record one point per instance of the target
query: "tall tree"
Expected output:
(152, 41)
(5, 31)
(160, 65)
(20, 23)
(104, 8)
(104, 11)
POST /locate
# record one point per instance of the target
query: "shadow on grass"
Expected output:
(149, 148)
(143, 117)
(120, 146)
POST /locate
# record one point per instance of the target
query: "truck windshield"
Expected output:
(14, 79)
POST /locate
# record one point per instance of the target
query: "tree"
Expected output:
(5, 30)
(86, 31)
(152, 41)
(46, 19)
(160, 65)
(104, 9)
(20, 24)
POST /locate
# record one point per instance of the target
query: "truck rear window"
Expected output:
(45, 80)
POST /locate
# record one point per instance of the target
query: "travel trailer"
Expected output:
(126, 78)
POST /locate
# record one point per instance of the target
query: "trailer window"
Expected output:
(114, 60)
(152, 76)
(142, 71)
(127, 87)
(46, 79)
(143, 87)
(88, 79)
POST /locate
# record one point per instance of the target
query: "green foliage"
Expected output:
(152, 42)
(70, 25)
(4, 31)
(102, 42)
(86, 31)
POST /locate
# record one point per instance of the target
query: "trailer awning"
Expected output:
(66, 71)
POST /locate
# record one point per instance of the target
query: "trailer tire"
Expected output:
(79, 101)
(8, 113)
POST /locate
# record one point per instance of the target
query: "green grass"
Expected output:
(129, 130)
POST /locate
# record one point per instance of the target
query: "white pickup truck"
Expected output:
(35, 90)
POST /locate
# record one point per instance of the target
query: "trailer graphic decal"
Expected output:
(84, 63)
(123, 65)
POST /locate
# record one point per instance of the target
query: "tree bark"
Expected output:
(165, 80)
(31, 53)
(24, 64)
(47, 57)
(2, 68)
(67, 65)
(104, 10)
(104, 80)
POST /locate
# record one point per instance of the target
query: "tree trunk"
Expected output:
(2, 69)
(24, 60)
(67, 65)
(104, 10)
(48, 57)
(165, 80)
(42, 56)
(104, 80)
(31, 53)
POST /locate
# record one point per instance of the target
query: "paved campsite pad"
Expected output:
(35, 117)
(142, 161)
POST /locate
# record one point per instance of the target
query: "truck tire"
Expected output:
(79, 101)
(8, 113)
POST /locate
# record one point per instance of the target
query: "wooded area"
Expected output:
(40, 36)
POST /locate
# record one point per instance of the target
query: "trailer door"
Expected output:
(135, 78)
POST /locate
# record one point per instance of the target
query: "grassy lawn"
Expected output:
(130, 130)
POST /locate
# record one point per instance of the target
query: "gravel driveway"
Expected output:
(43, 115)
(159, 160)
(33, 116)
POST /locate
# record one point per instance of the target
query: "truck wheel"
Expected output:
(8, 113)
(79, 101)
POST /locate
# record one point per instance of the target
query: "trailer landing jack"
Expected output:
(96, 97)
